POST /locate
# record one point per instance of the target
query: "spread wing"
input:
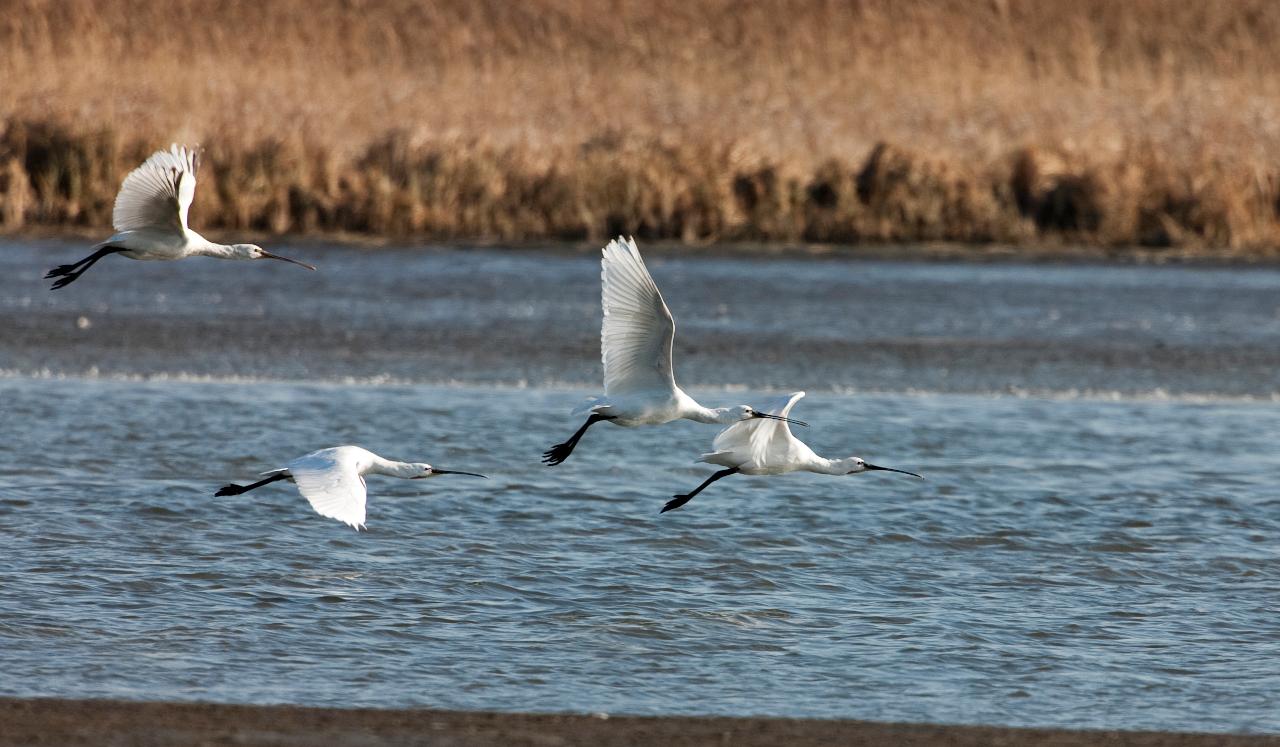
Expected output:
(157, 194)
(330, 480)
(758, 441)
(636, 336)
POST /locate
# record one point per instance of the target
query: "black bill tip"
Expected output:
(789, 421)
(891, 469)
(269, 255)
(435, 471)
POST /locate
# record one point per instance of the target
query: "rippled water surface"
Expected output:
(1096, 544)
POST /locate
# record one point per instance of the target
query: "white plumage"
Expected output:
(150, 219)
(767, 447)
(332, 480)
(157, 195)
(762, 447)
(637, 332)
(636, 338)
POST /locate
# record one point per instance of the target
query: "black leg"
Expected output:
(560, 452)
(61, 270)
(234, 489)
(68, 274)
(679, 500)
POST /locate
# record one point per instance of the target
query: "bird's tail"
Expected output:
(589, 406)
(720, 458)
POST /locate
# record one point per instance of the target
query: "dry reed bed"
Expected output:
(1149, 122)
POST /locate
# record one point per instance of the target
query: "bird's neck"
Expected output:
(392, 468)
(700, 414)
(203, 247)
(824, 466)
(691, 410)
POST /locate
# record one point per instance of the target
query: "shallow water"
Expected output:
(1106, 559)
(511, 317)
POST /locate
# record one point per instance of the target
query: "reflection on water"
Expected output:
(1070, 561)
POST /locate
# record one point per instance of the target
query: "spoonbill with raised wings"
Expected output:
(768, 448)
(635, 343)
(333, 479)
(150, 219)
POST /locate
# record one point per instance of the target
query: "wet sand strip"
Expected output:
(104, 722)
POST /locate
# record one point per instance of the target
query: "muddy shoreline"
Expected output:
(98, 722)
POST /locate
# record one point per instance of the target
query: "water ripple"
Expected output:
(538, 592)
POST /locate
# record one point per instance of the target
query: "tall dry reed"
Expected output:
(1147, 122)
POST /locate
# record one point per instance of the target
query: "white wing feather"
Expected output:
(330, 480)
(156, 195)
(759, 442)
(636, 336)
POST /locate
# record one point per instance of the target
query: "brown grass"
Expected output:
(1151, 122)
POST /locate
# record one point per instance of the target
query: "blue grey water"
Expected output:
(1097, 543)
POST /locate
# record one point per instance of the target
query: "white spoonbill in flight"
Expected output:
(150, 219)
(635, 343)
(768, 448)
(333, 479)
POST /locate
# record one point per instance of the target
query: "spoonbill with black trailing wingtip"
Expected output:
(768, 448)
(635, 343)
(333, 479)
(150, 219)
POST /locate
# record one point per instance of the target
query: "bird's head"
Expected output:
(426, 470)
(253, 251)
(421, 470)
(746, 412)
(854, 465)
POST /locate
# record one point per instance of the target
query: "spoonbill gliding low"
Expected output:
(150, 219)
(333, 479)
(768, 448)
(635, 343)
